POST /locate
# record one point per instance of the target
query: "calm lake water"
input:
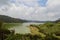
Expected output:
(22, 29)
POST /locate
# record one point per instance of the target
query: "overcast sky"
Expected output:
(31, 9)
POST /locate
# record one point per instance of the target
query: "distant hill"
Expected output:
(57, 20)
(37, 21)
(8, 19)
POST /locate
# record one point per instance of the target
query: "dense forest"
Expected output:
(46, 31)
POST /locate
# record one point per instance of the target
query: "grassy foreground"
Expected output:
(46, 31)
(11, 25)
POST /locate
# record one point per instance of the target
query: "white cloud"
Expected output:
(4, 2)
(53, 3)
(31, 10)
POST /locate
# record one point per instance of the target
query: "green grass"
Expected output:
(10, 25)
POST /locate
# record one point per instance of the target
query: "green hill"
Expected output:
(8, 19)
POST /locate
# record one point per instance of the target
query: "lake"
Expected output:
(23, 28)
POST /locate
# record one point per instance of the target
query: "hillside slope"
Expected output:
(8, 19)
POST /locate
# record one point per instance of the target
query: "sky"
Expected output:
(42, 10)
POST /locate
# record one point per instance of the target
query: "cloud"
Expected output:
(4, 5)
(53, 7)
(4, 2)
(32, 9)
